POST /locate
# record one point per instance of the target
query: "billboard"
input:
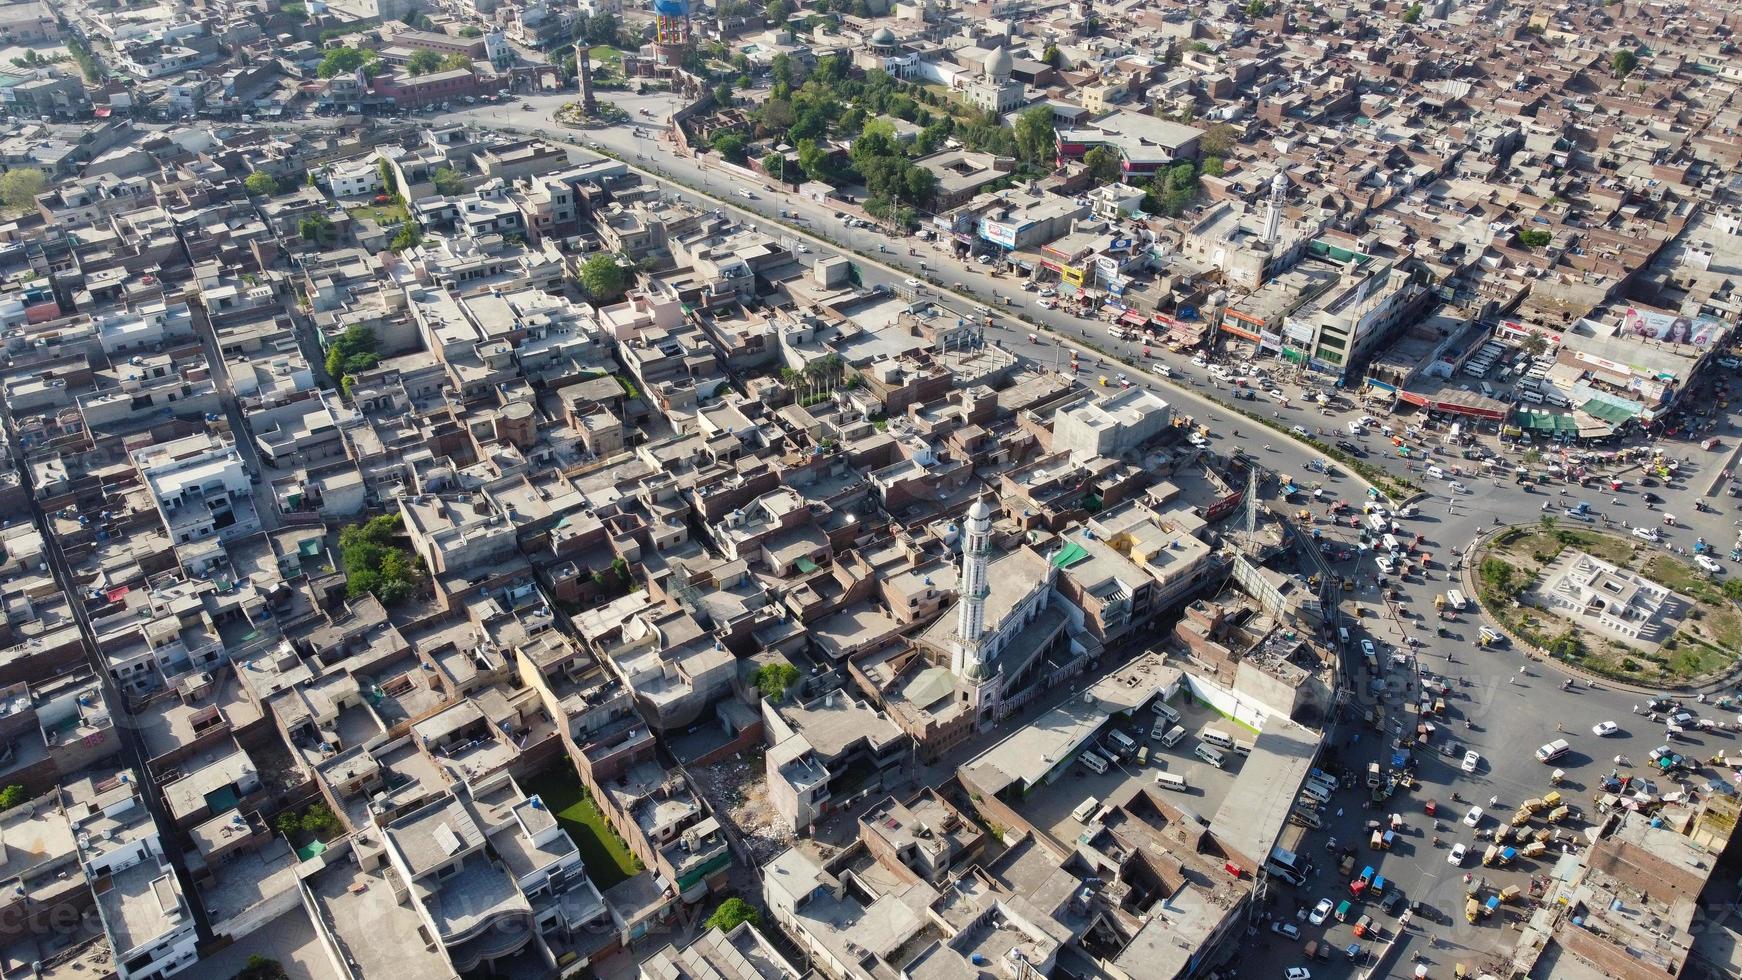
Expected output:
(999, 233)
(1700, 332)
(1519, 330)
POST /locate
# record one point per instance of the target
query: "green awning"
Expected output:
(309, 547)
(309, 850)
(1608, 411)
(805, 564)
(1071, 553)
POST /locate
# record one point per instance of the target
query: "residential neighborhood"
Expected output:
(868, 490)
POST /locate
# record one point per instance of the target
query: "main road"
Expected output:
(1495, 710)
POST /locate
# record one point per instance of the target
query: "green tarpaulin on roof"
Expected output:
(310, 547)
(1071, 552)
(313, 849)
(1607, 411)
(1545, 422)
(222, 800)
(805, 564)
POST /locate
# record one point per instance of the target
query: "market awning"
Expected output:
(1607, 411)
(1546, 422)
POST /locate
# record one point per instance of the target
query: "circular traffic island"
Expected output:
(1616, 606)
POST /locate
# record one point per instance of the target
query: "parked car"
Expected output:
(1456, 857)
(1321, 912)
(1474, 817)
(1472, 759)
(1604, 728)
(1286, 929)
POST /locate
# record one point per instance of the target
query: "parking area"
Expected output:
(1052, 807)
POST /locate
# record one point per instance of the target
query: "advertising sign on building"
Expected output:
(1667, 327)
(999, 233)
(1519, 330)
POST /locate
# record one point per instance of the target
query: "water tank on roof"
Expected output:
(671, 8)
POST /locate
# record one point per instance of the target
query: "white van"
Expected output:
(1173, 736)
(1092, 761)
(1167, 780)
(1122, 742)
(1455, 599)
(1215, 736)
(1209, 755)
(1354, 428)
(1533, 397)
(1316, 793)
(1553, 750)
(1242, 747)
(1161, 708)
(1391, 544)
(1306, 818)
(1487, 389)
(1435, 472)
(1343, 635)
(1081, 813)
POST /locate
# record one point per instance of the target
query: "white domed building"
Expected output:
(884, 51)
(994, 90)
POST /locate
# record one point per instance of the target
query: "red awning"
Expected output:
(1133, 317)
(1244, 334)
(116, 594)
(102, 112)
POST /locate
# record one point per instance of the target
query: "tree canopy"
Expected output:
(19, 187)
(340, 61)
(261, 185)
(448, 181)
(731, 146)
(603, 278)
(731, 913)
(353, 352)
(1622, 62)
(374, 562)
(1104, 164)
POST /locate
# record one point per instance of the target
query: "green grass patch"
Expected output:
(607, 54)
(1684, 578)
(1617, 551)
(1693, 658)
(607, 859)
(386, 215)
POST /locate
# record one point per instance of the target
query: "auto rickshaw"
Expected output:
(1102, 381)
(1343, 908)
(1534, 849)
(1510, 894)
(1554, 778)
(1550, 800)
(1472, 910)
(1432, 807)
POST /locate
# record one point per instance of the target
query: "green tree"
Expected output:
(1534, 237)
(1622, 62)
(261, 968)
(732, 147)
(733, 912)
(814, 160)
(422, 62)
(448, 181)
(1034, 134)
(1053, 56)
(1103, 163)
(1218, 140)
(773, 679)
(455, 62)
(389, 180)
(11, 796)
(353, 352)
(471, 30)
(603, 278)
(1534, 344)
(376, 563)
(19, 187)
(1213, 166)
(1412, 13)
(1257, 8)
(260, 185)
(774, 165)
(1732, 589)
(340, 61)
(317, 228)
(777, 11)
(410, 235)
(723, 93)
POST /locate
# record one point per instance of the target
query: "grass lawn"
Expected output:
(606, 53)
(385, 215)
(606, 857)
(1684, 578)
(1608, 547)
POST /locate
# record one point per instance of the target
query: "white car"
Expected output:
(1472, 759)
(1047, 304)
(983, 259)
(1646, 533)
(1456, 858)
(911, 283)
(1474, 817)
(1275, 393)
(1457, 487)
(1604, 728)
(1299, 430)
(1199, 361)
(1708, 563)
(1368, 649)
(1049, 291)
(1321, 912)
(1297, 973)
(746, 195)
